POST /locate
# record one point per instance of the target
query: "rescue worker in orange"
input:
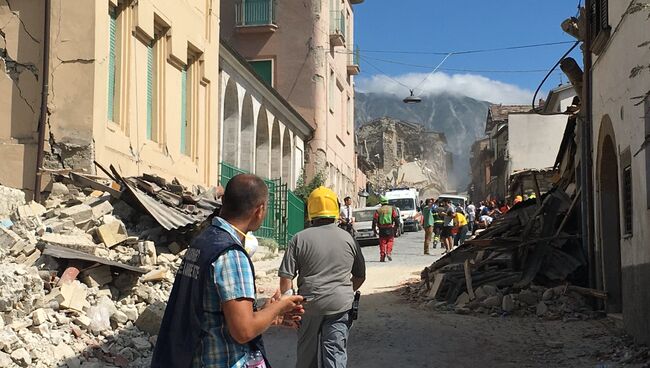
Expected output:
(384, 223)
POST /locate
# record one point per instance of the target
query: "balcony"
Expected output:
(337, 28)
(353, 62)
(255, 16)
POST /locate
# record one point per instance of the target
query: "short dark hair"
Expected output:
(346, 198)
(243, 193)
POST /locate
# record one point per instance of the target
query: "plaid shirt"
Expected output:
(232, 279)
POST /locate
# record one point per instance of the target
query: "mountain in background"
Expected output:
(461, 118)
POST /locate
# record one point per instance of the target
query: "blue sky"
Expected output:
(453, 25)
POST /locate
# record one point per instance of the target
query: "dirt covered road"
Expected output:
(391, 332)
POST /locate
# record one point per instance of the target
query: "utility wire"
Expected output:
(551, 71)
(466, 52)
(433, 71)
(384, 73)
(457, 69)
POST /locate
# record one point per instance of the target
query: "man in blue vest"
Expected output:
(211, 319)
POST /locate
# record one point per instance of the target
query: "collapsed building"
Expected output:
(395, 153)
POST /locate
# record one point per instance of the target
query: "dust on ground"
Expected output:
(394, 332)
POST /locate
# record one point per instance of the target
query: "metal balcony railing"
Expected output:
(255, 12)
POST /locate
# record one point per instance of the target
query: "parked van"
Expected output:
(458, 201)
(408, 201)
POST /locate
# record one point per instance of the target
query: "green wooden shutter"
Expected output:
(111, 63)
(183, 110)
(264, 68)
(149, 91)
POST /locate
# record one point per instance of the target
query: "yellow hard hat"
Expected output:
(322, 203)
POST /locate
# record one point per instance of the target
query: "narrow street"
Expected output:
(391, 332)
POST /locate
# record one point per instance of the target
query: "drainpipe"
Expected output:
(44, 97)
(586, 149)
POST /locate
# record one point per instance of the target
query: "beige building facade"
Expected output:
(306, 53)
(621, 159)
(131, 83)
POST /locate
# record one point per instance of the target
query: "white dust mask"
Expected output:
(251, 244)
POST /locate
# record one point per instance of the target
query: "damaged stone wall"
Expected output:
(69, 130)
(21, 35)
(397, 153)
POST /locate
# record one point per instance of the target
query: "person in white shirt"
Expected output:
(471, 216)
(346, 218)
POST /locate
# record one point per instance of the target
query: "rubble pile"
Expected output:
(528, 260)
(85, 277)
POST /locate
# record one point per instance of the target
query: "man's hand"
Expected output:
(289, 319)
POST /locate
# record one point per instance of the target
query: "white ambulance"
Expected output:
(408, 201)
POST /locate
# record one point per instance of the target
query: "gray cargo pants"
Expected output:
(330, 334)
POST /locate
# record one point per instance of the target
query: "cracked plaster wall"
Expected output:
(21, 33)
(304, 63)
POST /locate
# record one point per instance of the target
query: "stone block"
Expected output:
(548, 295)
(102, 208)
(74, 296)
(10, 199)
(82, 321)
(56, 225)
(175, 248)
(112, 234)
(156, 275)
(8, 238)
(462, 300)
(508, 304)
(150, 319)
(62, 352)
(492, 301)
(97, 276)
(59, 190)
(5, 360)
(77, 242)
(8, 339)
(528, 297)
(541, 309)
(81, 213)
(21, 357)
(39, 316)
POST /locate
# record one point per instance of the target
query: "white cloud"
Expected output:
(470, 85)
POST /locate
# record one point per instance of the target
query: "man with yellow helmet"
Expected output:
(330, 268)
(387, 220)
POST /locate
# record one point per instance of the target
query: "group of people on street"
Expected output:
(212, 318)
(444, 224)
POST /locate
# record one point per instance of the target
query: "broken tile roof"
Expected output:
(498, 114)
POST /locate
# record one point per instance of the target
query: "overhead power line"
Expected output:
(514, 71)
(466, 52)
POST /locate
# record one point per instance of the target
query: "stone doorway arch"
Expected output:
(609, 213)
(262, 145)
(230, 123)
(246, 147)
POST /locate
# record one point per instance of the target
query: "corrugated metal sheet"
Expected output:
(169, 218)
(65, 253)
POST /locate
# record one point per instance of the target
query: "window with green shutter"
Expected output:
(264, 68)
(184, 122)
(150, 61)
(112, 62)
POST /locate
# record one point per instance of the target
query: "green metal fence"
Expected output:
(295, 214)
(255, 12)
(286, 212)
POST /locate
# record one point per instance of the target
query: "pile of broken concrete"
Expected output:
(84, 279)
(563, 302)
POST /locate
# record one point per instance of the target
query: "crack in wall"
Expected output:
(13, 69)
(16, 14)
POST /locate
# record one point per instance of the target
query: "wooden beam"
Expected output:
(468, 280)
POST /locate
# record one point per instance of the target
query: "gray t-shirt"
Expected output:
(323, 258)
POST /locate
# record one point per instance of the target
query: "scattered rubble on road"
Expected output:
(85, 278)
(528, 261)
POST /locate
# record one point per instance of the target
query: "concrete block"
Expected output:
(21, 357)
(175, 248)
(508, 304)
(10, 199)
(156, 275)
(77, 242)
(74, 296)
(8, 339)
(112, 234)
(150, 319)
(39, 317)
(5, 360)
(8, 238)
(81, 213)
(97, 276)
(102, 208)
